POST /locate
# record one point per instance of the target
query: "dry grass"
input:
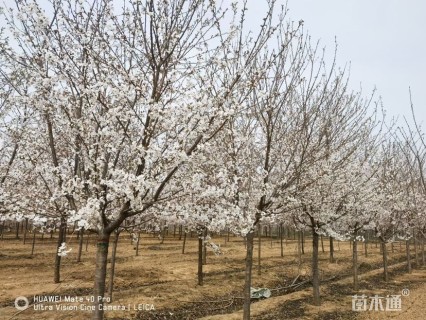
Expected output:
(167, 279)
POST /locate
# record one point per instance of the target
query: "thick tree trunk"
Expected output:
(315, 268)
(200, 260)
(322, 245)
(100, 274)
(407, 251)
(112, 270)
(355, 263)
(248, 273)
(331, 250)
(61, 238)
(80, 244)
(385, 261)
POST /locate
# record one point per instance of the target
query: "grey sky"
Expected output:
(383, 39)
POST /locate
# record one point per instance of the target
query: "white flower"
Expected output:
(62, 250)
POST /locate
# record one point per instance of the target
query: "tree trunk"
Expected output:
(17, 231)
(322, 245)
(100, 274)
(407, 251)
(331, 250)
(303, 242)
(61, 238)
(112, 271)
(416, 252)
(163, 234)
(281, 240)
(87, 241)
(33, 244)
(184, 242)
(355, 263)
(315, 268)
(385, 261)
(259, 250)
(80, 244)
(366, 247)
(137, 243)
(2, 229)
(205, 248)
(423, 250)
(248, 272)
(25, 229)
(299, 248)
(200, 260)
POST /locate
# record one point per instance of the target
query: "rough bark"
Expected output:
(100, 274)
(315, 268)
(61, 238)
(248, 274)
(112, 270)
(331, 250)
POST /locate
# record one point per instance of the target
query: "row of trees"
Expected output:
(174, 111)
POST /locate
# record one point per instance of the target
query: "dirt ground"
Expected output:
(161, 283)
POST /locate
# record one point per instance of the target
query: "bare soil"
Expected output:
(161, 283)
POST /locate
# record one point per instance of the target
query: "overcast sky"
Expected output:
(384, 40)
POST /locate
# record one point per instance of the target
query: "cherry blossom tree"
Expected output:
(122, 99)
